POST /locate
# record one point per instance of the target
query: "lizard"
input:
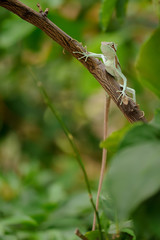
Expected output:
(112, 66)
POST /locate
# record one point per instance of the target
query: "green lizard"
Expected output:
(112, 66)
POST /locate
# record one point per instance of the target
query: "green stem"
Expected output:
(75, 150)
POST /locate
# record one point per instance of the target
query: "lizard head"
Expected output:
(108, 48)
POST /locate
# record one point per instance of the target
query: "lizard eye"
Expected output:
(114, 47)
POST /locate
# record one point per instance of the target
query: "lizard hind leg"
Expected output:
(122, 92)
(133, 92)
(129, 90)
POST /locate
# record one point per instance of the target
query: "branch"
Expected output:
(131, 111)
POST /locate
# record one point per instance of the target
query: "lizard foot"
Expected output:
(123, 95)
(85, 55)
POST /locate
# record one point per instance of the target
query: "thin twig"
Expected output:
(69, 136)
(104, 154)
(75, 150)
(45, 13)
(80, 235)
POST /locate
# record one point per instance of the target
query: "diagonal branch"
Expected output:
(131, 111)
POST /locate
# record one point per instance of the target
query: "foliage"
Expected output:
(35, 204)
(149, 75)
(133, 180)
(108, 8)
(42, 191)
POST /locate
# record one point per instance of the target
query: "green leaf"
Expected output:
(148, 63)
(156, 5)
(156, 120)
(93, 235)
(147, 218)
(56, 193)
(139, 133)
(130, 232)
(108, 207)
(8, 237)
(21, 219)
(55, 3)
(112, 142)
(121, 8)
(132, 134)
(119, 227)
(133, 176)
(13, 31)
(107, 9)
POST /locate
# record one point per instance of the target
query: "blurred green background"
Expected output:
(42, 190)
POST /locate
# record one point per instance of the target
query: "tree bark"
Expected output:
(130, 110)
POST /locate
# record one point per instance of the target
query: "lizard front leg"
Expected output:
(90, 54)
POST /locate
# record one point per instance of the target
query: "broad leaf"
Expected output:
(13, 31)
(113, 141)
(130, 232)
(108, 207)
(133, 176)
(147, 218)
(156, 120)
(93, 235)
(133, 134)
(106, 12)
(121, 7)
(148, 63)
(156, 7)
(140, 133)
(19, 219)
(119, 227)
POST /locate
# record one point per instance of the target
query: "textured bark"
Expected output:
(131, 111)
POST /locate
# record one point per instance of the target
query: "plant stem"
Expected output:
(104, 155)
(75, 150)
(80, 235)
